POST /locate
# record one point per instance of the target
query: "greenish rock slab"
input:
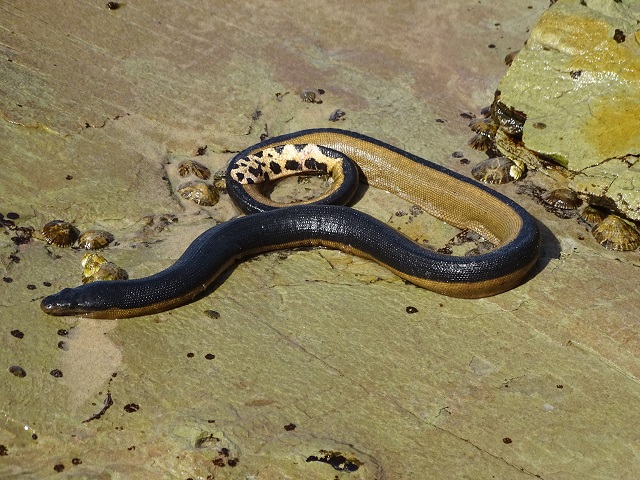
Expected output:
(577, 79)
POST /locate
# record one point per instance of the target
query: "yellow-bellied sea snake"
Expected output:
(451, 197)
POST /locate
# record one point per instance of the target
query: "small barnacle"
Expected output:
(593, 215)
(562, 198)
(498, 170)
(614, 233)
(60, 233)
(95, 239)
(200, 193)
(96, 267)
(191, 167)
(308, 96)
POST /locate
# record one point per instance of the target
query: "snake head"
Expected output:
(69, 301)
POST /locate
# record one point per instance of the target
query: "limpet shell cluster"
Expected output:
(197, 191)
(63, 234)
(497, 170)
(96, 267)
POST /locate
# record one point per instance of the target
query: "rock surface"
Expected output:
(577, 79)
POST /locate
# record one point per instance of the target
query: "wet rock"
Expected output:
(577, 80)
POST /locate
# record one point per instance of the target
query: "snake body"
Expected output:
(446, 195)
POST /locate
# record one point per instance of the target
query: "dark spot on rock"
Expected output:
(3, 451)
(212, 314)
(56, 373)
(131, 407)
(289, 427)
(113, 5)
(507, 440)
(218, 462)
(619, 36)
(190, 355)
(59, 468)
(63, 332)
(62, 346)
(34, 436)
(559, 386)
(411, 309)
(46, 284)
(575, 74)
(232, 462)
(13, 215)
(201, 151)
(440, 120)
(337, 115)
(7, 279)
(69, 177)
(209, 356)
(540, 125)
(76, 461)
(337, 460)
(18, 371)
(17, 333)
(457, 154)
(491, 45)
(31, 286)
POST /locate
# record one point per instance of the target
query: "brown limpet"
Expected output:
(485, 126)
(220, 180)
(497, 170)
(96, 267)
(614, 233)
(562, 198)
(60, 233)
(191, 167)
(485, 130)
(593, 215)
(95, 239)
(200, 193)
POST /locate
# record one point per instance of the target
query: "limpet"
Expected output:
(60, 233)
(485, 130)
(200, 193)
(593, 215)
(614, 233)
(498, 170)
(220, 180)
(96, 267)
(191, 167)
(95, 239)
(562, 198)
